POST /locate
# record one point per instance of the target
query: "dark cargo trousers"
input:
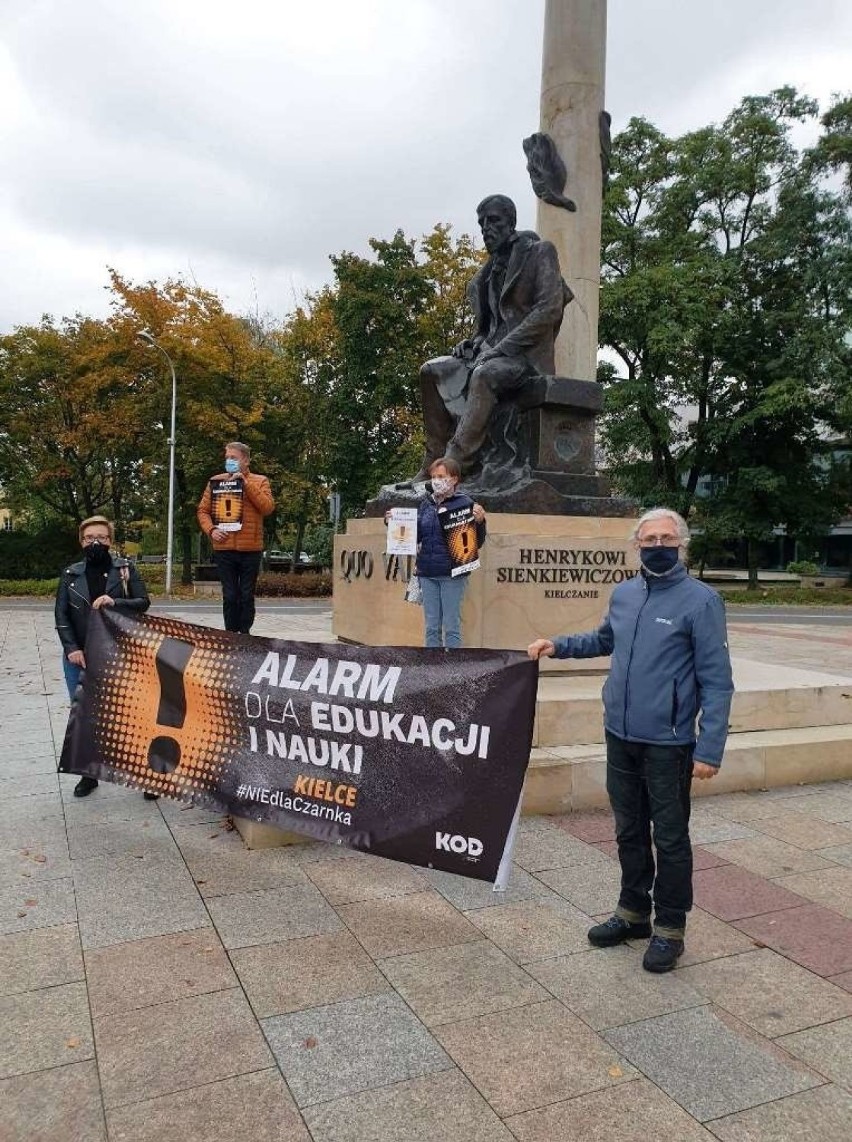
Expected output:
(649, 790)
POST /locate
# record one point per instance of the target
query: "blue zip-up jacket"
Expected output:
(670, 663)
(433, 558)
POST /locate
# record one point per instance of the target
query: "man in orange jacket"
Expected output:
(231, 513)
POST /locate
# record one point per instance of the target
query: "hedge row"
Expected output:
(38, 555)
(269, 585)
(789, 596)
(40, 587)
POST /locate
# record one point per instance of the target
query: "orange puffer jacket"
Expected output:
(257, 503)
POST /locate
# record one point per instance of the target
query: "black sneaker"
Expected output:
(85, 786)
(662, 954)
(615, 931)
(151, 796)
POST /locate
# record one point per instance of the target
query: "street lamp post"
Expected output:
(145, 336)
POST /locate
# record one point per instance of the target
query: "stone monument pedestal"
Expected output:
(539, 459)
(540, 575)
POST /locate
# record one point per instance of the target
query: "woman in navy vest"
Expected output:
(442, 591)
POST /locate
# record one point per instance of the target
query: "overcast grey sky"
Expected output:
(242, 143)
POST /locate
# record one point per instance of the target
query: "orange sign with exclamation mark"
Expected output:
(171, 662)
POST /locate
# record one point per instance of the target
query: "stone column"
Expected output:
(572, 98)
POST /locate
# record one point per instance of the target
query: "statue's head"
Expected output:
(497, 217)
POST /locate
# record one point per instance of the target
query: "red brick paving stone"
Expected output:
(732, 893)
(702, 859)
(844, 980)
(814, 937)
(60, 1103)
(608, 847)
(254, 1106)
(589, 827)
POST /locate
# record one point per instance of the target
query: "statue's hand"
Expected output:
(467, 350)
(488, 355)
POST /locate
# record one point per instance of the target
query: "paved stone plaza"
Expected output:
(163, 982)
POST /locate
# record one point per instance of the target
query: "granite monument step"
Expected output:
(572, 777)
(787, 726)
(767, 697)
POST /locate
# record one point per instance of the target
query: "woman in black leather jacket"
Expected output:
(98, 580)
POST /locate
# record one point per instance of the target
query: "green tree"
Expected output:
(373, 404)
(75, 427)
(833, 151)
(327, 400)
(297, 413)
(448, 265)
(726, 298)
(356, 348)
(233, 384)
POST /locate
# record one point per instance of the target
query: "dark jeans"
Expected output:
(238, 575)
(648, 786)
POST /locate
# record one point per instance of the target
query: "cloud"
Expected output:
(249, 142)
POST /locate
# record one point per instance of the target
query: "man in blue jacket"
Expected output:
(670, 668)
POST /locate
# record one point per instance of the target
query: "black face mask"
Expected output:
(658, 560)
(97, 554)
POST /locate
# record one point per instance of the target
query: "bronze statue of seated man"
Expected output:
(517, 298)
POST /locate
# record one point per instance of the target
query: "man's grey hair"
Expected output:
(240, 447)
(503, 203)
(663, 513)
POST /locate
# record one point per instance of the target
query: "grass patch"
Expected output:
(179, 590)
(789, 596)
(46, 588)
(39, 587)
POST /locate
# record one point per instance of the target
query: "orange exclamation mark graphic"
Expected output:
(227, 509)
(171, 661)
(465, 538)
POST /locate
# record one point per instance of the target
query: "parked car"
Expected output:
(276, 556)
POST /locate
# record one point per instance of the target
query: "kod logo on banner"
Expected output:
(456, 844)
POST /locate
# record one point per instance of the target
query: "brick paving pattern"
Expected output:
(162, 982)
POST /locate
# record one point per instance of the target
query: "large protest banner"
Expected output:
(416, 755)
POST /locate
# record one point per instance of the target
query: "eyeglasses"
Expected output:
(88, 540)
(667, 540)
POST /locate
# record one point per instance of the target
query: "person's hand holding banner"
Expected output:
(406, 753)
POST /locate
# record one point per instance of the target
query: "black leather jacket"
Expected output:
(122, 582)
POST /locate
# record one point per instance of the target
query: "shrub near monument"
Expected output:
(308, 584)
